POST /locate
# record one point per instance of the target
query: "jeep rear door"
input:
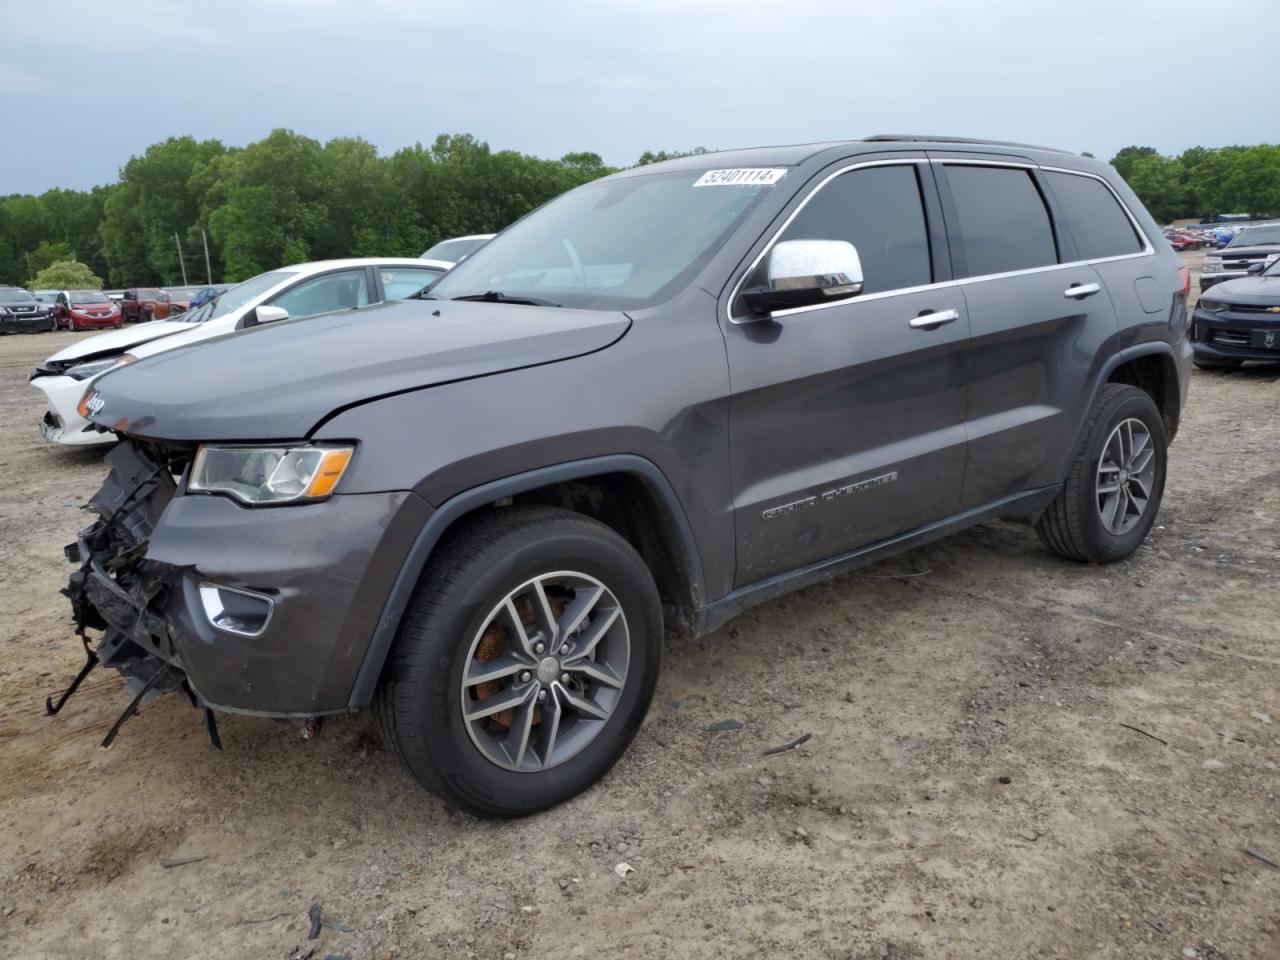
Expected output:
(846, 420)
(1038, 321)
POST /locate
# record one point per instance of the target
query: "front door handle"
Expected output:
(932, 319)
(1078, 291)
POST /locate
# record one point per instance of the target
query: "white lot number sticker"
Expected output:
(742, 177)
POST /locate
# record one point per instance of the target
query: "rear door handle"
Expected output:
(933, 319)
(1078, 291)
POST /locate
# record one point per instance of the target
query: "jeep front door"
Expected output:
(846, 419)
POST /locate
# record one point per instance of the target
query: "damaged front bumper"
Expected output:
(251, 610)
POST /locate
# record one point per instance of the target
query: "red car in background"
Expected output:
(85, 310)
(140, 304)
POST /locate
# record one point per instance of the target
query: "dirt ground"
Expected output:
(971, 788)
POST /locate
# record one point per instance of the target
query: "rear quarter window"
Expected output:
(1002, 223)
(1098, 224)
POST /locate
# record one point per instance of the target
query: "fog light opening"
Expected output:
(232, 610)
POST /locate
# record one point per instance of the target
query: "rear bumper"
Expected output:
(323, 569)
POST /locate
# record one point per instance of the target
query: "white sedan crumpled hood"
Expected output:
(118, 341)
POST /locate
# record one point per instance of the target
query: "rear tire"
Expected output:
(429, 699)
(1101, 514)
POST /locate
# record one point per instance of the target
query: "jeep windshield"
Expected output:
(611, 245)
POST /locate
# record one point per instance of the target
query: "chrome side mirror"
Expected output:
(801, 273)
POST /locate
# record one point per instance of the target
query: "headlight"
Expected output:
(270, 474)
(84, 371)
(1213, 263)
(1213, 306)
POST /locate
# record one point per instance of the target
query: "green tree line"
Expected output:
(288, 198)
(284, 199)
(1204, 181)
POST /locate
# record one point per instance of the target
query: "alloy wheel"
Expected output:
(1126, 475)
(545, 671)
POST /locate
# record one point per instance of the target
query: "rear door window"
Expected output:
(1003, 224)
(1098, 224)
(879, 210)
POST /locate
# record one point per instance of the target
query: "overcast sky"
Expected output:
(84, 85)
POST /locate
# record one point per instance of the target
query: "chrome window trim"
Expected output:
(737, 287)
(965, 162)
(860, 298)
(1148, 248)
(1047, 268)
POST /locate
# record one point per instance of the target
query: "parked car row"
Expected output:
(46, 310)
(1186, 241)
(39, 311)
(1253, 246)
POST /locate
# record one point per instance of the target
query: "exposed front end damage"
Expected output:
(263, 611)
(118, 591)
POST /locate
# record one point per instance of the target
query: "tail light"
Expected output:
(1185, 274)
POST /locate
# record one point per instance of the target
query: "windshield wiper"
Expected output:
(497, 296)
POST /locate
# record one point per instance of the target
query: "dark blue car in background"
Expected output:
(208, 293)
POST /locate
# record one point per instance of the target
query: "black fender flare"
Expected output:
(1149, 348)
(384, 632)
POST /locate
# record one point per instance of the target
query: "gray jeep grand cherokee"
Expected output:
(659, 399)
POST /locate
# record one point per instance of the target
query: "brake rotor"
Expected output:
(493, 643)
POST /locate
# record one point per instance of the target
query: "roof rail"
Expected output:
(925, 138)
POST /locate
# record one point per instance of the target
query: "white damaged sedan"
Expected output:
(301, 290)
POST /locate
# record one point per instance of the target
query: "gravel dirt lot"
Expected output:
(971, 788)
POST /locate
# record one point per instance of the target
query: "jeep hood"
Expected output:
(279, 381)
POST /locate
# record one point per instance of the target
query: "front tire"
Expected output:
(525, 663)
(1115, 481)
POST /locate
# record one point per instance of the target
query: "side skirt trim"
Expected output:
(1023, 505)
